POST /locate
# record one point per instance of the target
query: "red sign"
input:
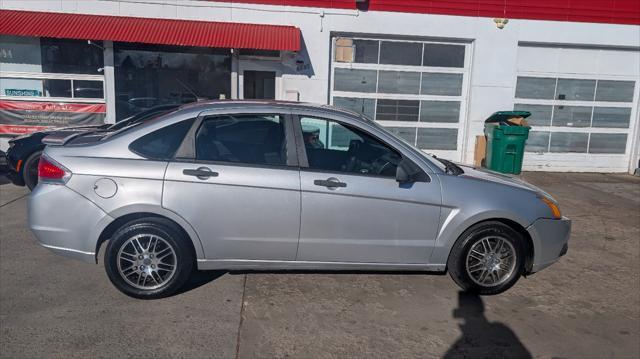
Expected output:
(21, 117)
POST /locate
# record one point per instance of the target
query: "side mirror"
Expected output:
(402, 176)
(409, 172)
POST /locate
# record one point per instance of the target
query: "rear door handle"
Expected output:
(330, 183)
(201, 173)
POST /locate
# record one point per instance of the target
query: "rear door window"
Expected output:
(162, 144)
(246, 138)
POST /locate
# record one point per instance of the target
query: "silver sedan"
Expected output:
(237, 185)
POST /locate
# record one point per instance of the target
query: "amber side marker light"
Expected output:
(553, 206)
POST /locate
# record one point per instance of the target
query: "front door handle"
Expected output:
(330, 183)
(201, 172)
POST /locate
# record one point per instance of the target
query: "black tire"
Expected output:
(145, 228)
(30, 170)
(458, 261)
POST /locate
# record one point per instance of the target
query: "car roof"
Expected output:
(268, 104)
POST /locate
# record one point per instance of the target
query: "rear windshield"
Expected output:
(162, 144)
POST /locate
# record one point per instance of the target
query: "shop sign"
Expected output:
(19, 117)
(22, 92)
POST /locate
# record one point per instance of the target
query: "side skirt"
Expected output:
(238, 264)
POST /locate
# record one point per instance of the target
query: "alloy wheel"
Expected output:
(490, 261)
(146, 261)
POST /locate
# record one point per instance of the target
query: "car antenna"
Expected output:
(189, 89)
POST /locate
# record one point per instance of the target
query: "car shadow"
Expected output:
(480, 337)
(199, 278)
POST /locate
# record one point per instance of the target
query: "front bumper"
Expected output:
(66, 222)
(550, 241)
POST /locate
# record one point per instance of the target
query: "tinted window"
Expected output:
(443, 55)
(365, 106)
(151, 75)
(401, 53)
(251, 138)
(162, 144)
(440, 111)
(71, 56)
(608, 143)
(537, 142)
(569, 142)
(366, 51)
(355, 80)
(575, 90)
(406, 133)
(399, 82)
(540, 114)
(87, 89)
(572, 116)
(332, 146)
(615, 91)
(617, 117)
(441, 84)
(397, 110)
(437, 138)
(535, 87)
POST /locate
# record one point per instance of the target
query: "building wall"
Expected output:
(494, 63)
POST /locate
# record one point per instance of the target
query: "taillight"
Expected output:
(52, 172)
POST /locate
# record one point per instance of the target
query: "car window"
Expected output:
(245, 138)
(333, 146)
(162, 144)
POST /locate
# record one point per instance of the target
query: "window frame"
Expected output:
(302, 151)
(462, 98)
(593, 104)
(186, 152)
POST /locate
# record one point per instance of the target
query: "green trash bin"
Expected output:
(505, 141)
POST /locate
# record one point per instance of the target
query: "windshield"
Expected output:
(438, 162)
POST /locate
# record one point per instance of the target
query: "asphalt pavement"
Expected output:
(585, 306)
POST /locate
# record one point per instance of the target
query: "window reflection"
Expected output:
(148, 76)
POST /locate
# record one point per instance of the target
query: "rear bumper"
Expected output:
(66, 222)
(550, 241)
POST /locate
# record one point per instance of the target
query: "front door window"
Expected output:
(332, 146)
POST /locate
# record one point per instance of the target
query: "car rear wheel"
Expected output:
(487, 259)
(30, 170)
(148, 259)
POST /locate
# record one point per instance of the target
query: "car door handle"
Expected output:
(201, 172)
(330, 183)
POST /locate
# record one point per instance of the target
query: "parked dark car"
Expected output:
(24, 152)
(3, 163)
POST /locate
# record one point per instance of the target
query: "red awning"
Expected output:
(150, 31)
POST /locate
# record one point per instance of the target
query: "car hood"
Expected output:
(484, 174)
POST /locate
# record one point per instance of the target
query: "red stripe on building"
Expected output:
(150, 30)
(600, 11)
(53, 106)
(332, 4)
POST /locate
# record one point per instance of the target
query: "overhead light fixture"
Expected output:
(501, 23)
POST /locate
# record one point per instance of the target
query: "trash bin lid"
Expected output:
(503, 116)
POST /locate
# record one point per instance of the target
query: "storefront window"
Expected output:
(147, 76)
(71, 56)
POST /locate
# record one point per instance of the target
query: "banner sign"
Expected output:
(20, 117)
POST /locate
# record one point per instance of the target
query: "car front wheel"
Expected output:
(148, 259)
(487, 259)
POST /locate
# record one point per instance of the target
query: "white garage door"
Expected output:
(584, 105)
(415, 88)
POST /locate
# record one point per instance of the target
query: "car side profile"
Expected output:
(242, 185)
